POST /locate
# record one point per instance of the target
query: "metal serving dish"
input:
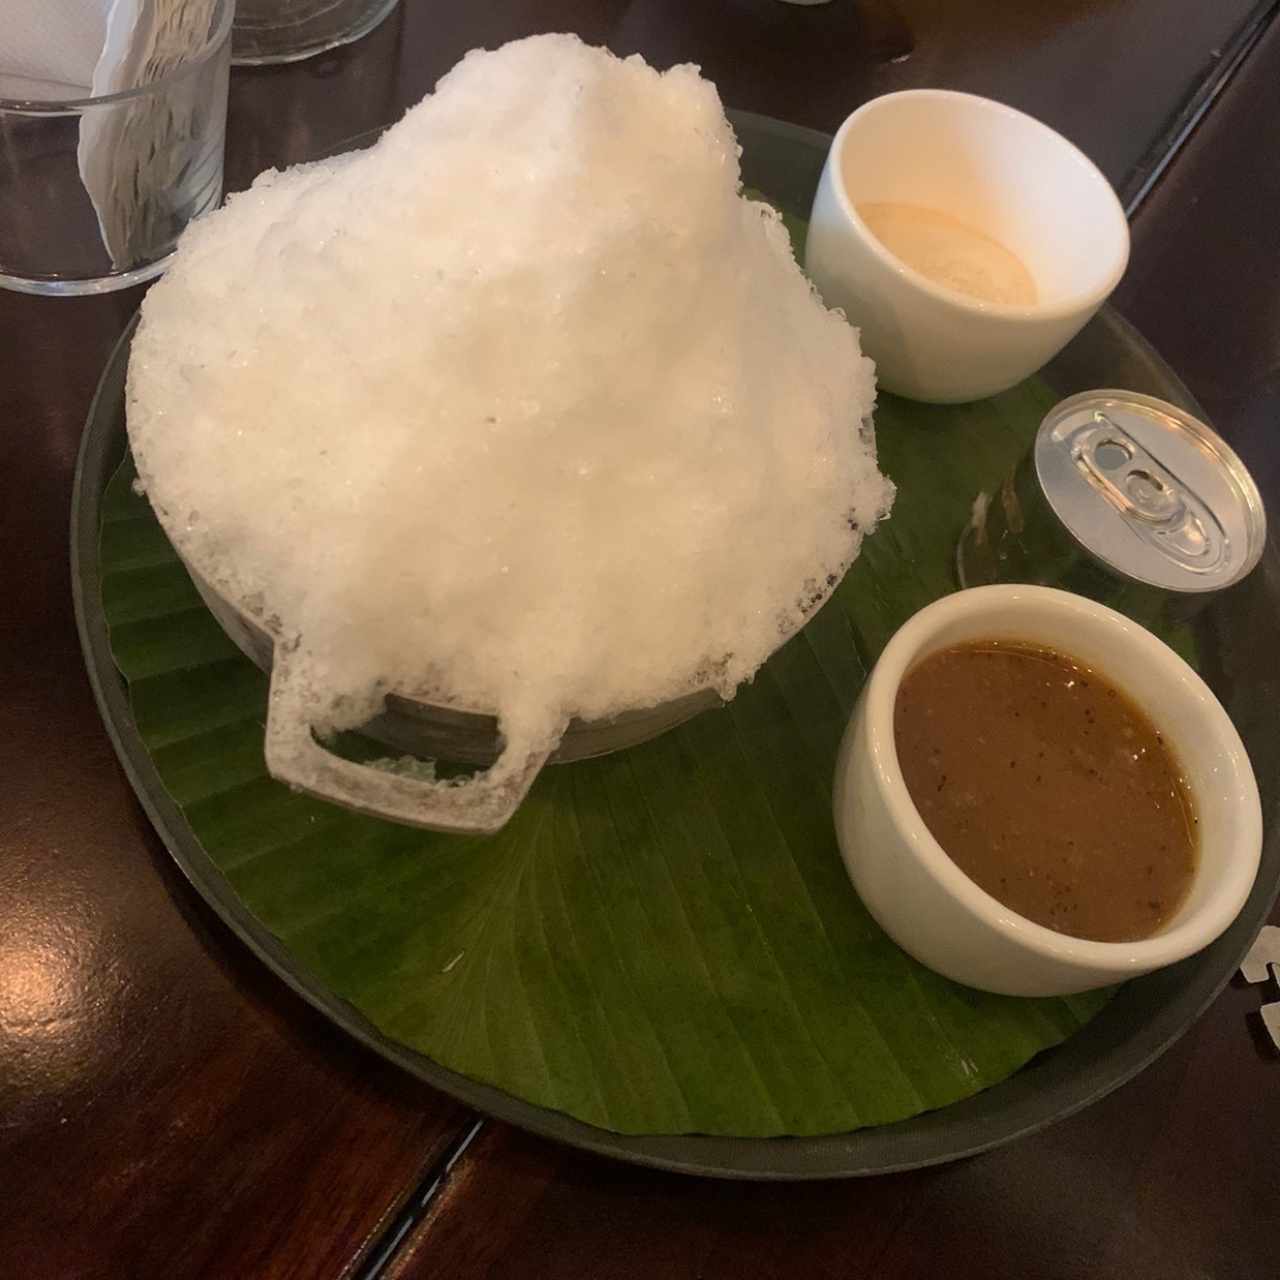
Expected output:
(1239, 634)
(429, 731)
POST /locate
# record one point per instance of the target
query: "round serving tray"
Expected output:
(1238, 637)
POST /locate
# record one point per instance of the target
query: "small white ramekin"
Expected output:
(997, 170)
(932, 909)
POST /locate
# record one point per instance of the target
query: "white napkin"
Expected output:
(50, 48)
(134, 157)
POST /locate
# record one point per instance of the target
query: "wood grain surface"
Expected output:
(168, 1108)
(165, 1106)
(1110, 74)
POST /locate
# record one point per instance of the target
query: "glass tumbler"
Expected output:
(95, 191)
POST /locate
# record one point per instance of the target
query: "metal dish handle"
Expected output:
(477, 805)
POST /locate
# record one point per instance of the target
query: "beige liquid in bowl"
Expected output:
(949, 252)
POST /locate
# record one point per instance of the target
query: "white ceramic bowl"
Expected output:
(997, 170)
(932, 909)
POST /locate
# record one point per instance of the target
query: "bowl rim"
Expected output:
(1081, 302)
(1231, 884)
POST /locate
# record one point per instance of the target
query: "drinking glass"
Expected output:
(95, 191)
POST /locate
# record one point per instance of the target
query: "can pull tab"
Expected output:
(1158, 507)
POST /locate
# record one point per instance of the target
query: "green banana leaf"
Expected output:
(661, 941)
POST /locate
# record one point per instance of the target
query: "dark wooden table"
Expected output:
(168, 1108)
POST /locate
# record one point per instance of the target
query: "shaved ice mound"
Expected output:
(526, 409)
